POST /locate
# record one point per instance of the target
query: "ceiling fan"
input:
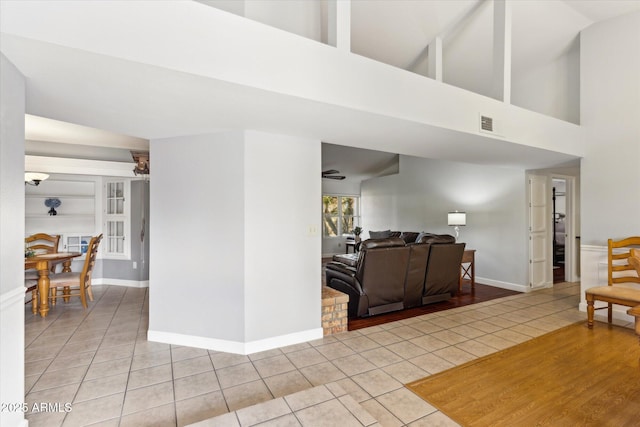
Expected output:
(331, 174)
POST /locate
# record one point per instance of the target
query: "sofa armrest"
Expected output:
(343, 268)
(344, 275)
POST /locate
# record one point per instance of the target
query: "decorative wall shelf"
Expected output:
(76, 213)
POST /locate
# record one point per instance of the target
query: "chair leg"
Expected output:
(66, 291)
(34, 301)
(53, 294)
(83, 297)
(590, 310)
(635, 311)
(90, 292)
(610, 313)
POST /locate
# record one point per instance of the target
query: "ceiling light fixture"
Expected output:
(34, 178)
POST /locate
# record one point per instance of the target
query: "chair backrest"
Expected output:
(443, 268)
(618, 261)
(634, 260)
(90, 260)
(44, 242)
(416, 272)
(382, 269)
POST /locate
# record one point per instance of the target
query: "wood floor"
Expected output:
(466, 297)
(558, 273)
(571, 377)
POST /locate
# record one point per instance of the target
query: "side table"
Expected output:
(468, 269)
(349, 244)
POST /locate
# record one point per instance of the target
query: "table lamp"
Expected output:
(457, 219)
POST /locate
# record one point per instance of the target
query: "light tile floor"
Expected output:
(100, 361)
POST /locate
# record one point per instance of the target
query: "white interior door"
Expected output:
(539, 243)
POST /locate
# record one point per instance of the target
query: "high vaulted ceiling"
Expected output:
(391, 31)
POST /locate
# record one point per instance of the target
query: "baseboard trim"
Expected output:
(235, 347)
(503, 285)
(121, 282)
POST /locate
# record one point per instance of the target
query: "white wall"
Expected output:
(299, 17)
(610, 109)
(610, 61)
(12, 109)
(304, 18)
(197, 236)
(282, 235)
(235, 241)
(552, 89)
(419, 197)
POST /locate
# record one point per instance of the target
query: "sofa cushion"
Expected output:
(409, 236)
(421, 235)
(435, 238)
(379, 234)
(381, 243)
(348, 259)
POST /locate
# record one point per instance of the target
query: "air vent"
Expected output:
(486, 124)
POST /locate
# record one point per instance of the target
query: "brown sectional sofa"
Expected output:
(392, 274)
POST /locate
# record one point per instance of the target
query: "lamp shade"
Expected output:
(457, 218)
(34, 178)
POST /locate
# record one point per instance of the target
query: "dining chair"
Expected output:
(44, 243)
(80, 281)
(634, 259)
(31, 285)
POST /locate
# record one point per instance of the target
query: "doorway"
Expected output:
(559, 224)
(564, 226)
(552, 229)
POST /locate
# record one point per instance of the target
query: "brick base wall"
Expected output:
(334, 311)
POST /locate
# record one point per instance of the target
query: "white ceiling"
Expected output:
(160, 103)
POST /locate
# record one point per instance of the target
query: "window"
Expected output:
(340, 215)
(76, 243)
(116, 219)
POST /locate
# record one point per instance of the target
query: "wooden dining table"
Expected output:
(43, 264)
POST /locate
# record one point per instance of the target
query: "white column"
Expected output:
(339, 24)
(12, 110)
(434, 66)
(502, 50)
(220, 223)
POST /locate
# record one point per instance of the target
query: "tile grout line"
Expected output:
(101, 341)
(59, 351)
(554, 312)
(126, 386)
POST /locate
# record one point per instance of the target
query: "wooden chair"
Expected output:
(79, 280)
(45, 243)
(634, 260)
(617, 290)
(42, 241)
(31, 285)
